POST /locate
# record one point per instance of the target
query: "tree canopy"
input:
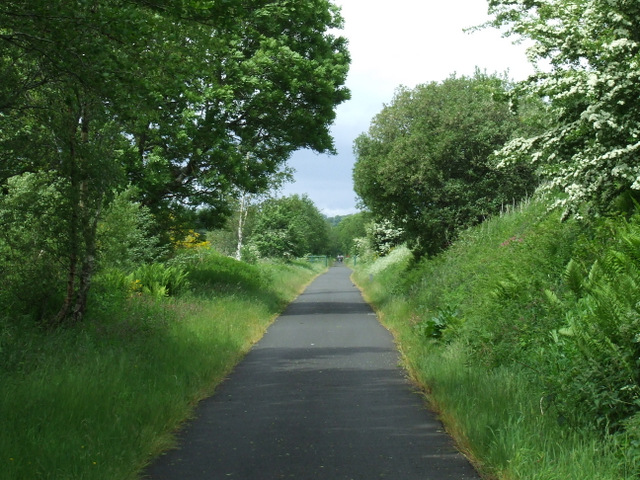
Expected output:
(184, 99)
(587, 58)
(425, 161)
(290, 227)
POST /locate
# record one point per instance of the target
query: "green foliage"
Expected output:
(425, 164)
(574, 277)
(435, 326)
(524, 333)
(598, 347)
(106, 95)
(156, 280)
(290, 227)
(124, 235)
(101, 399)
(588, 54)
(161, 280)
(209, 270)
(31, 246)
(348, 229)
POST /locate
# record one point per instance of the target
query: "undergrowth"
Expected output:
(525, 335)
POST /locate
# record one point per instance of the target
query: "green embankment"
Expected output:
(99, 400)
(525, 337)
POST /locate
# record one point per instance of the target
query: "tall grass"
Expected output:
(477, 330)
(99, 400)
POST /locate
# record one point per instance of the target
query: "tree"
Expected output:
(247, 200)
(348, 229)
(267, 87)
(183, 99)
(587, 58)
(425, 162)
(123, 237)
(290, 227)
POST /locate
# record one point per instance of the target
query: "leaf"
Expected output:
(574, 277)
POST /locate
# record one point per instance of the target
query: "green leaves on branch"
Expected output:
(185, 100)
(290, 227)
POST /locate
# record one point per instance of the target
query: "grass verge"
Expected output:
(100, 400)
(477, 331)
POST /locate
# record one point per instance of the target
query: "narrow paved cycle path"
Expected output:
(320, 397)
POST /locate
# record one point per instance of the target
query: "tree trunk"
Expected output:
(74, 221)
(241, 220)
(85, 207)
(63, 313)
(86, 274)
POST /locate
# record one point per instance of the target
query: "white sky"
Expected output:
(393, 43)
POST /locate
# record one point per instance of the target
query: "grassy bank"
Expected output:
(524, 336)
(99, 400)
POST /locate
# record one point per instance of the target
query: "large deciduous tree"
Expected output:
(185, 99)
(425, 162)
(587, 54)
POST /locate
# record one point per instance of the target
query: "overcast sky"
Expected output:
(393, 43)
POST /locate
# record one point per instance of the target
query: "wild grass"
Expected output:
(476, 329)
(101, 399)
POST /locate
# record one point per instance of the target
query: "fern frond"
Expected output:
(574, 277)
(631, 242)
(552, 298)
(596, 273)
(616, 262)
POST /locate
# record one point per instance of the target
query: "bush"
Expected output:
(207, 269)
(598, 347)
(124, 235)
(32, 248)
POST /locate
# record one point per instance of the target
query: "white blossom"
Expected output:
(595, 64)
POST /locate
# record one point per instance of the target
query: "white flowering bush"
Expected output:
(362, 249)
(383, 236)
(396, 256)
(587, 59)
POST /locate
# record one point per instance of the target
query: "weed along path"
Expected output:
(321, 396)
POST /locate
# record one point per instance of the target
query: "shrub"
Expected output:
(207, 269)
(32, 248)
(124, 234)
(598, 347)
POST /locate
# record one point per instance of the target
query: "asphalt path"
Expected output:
(321, 396)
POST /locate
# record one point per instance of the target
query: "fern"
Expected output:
(574, 277)
(617, 262)
(552, 299)
(160, 280)
(630, 242)
(599, 342)
(508, 288)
